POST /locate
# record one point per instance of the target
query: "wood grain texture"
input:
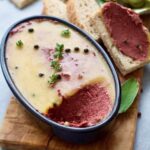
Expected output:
(21, 130)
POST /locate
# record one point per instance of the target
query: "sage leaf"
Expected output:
(129, 91)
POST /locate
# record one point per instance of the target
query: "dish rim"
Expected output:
(33, 110)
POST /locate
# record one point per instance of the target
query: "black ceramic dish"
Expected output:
(72, 134)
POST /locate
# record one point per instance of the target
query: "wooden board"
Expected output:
(22, 131)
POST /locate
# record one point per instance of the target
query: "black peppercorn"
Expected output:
(68, 50)
(86, 50)
(59, 77)
(76, 49)
(31, 30)
(41, 74)
(36, 47)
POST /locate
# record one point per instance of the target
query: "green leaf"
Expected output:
(129, 91)
(19, 44)
(66, 33)
(59, 47)
(100, 2)
(53, 78)
(56, 65)
(59, 51)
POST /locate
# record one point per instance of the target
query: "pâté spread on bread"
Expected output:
(124, 35)
(60, 72)
(127, 31)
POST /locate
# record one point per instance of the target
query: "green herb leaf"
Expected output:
(59, 47)
(66, 33)
(19, 43)
(129, 92)
(100, 2)
(58, 55)
(59, 51)
(56, 65)
(53, 78)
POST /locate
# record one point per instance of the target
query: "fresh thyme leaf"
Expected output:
(53, 78)
(56, 65)
(58, 55)
(59, 51)
(19, 43)
(129, 91)
(59, 47)
(66, 33)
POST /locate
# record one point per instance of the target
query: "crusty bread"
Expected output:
(22, 3)
(80, 11)
(55, 8)
(123, 62)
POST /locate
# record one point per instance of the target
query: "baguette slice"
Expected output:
(124, 63)
(80, 11)
(55, 8)
(22, 3)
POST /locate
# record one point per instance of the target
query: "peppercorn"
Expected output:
(68, 50)
(41, 74)
(86, 50)
(31, 30)
(36, 47)
(59, 77)
(76, 49)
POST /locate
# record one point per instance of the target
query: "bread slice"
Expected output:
(80, 11)
(22, 3)
(55, 8)
(124, 63)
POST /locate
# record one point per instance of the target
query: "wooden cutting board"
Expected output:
(22, 131)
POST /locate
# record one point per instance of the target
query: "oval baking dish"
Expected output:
(72, 134)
